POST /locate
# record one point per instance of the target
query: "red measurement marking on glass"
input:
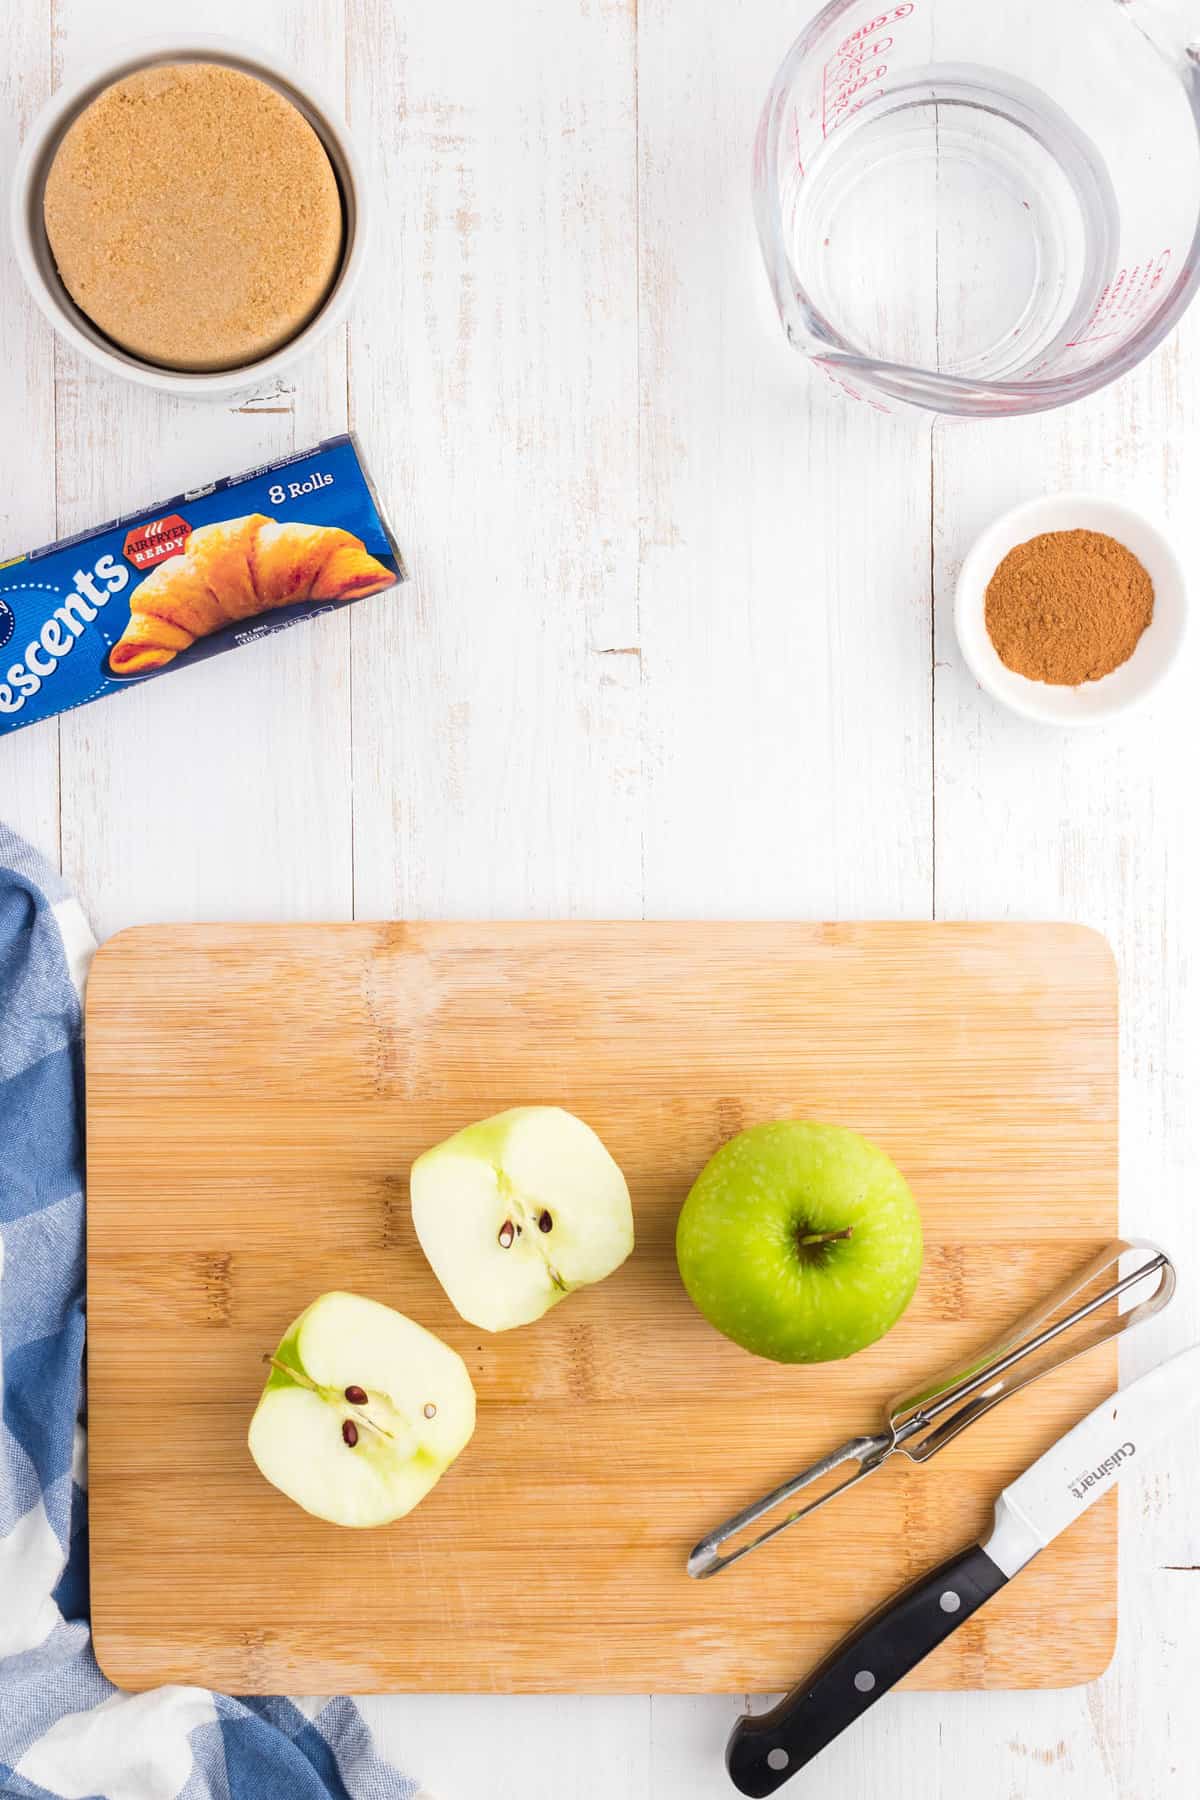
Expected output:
(854, 393)
(855, 64)
(1128, 293)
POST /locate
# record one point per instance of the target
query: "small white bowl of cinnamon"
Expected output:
(1070, 609)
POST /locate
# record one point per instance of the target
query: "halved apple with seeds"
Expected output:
(516, 1212)
(363, 1412)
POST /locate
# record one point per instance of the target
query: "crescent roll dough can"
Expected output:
(188, 578)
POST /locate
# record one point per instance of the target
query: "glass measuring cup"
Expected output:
(983, 207)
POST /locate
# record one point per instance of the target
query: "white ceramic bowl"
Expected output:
(1157, 648)
(36, 262)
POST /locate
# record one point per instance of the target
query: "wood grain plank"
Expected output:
(28, 759)
(785, 542)
(497, 753)
(1099, 827)
(293, 1073)
(224, 788)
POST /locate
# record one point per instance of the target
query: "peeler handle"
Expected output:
(710, 1555)
(925, 1422)
(765, 1751)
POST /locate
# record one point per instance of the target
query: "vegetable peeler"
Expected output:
(920, 1424)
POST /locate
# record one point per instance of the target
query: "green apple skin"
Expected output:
(477, 1200)
(420, 1399)
(739, 1252)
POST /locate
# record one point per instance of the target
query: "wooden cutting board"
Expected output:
(256, 1095)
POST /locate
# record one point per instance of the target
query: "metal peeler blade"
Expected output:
(920, 1424)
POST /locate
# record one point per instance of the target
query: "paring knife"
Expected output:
(766, 1750)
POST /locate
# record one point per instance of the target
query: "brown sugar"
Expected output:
(194, 216)
(1068, 607)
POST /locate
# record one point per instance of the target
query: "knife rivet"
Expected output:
(778, 1758)
(949, 1601)
(864, 1681)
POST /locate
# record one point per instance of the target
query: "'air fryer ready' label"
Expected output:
(153, 543)
(189, 578)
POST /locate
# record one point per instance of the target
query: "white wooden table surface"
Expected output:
(678, 643)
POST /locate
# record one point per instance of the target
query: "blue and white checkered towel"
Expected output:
(65, 1732)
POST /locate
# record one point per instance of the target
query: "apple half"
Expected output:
(363, 1412)
(518, 1211)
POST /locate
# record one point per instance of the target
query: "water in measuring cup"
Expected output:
(960, 221)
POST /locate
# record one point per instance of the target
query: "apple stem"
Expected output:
(359, 1412)
(295, 1375)
(827, 1237)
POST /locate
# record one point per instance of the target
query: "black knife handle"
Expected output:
(764, 1751)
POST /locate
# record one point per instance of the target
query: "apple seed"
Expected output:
(545, 1222)
(507, 1234)
(430, 1410)
(356, 1396)
(349, 1433)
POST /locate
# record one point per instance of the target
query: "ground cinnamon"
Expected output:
(1068, 607)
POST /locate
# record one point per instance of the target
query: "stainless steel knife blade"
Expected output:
(1081, 1467)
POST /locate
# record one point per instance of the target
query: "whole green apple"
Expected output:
(800, 1241)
